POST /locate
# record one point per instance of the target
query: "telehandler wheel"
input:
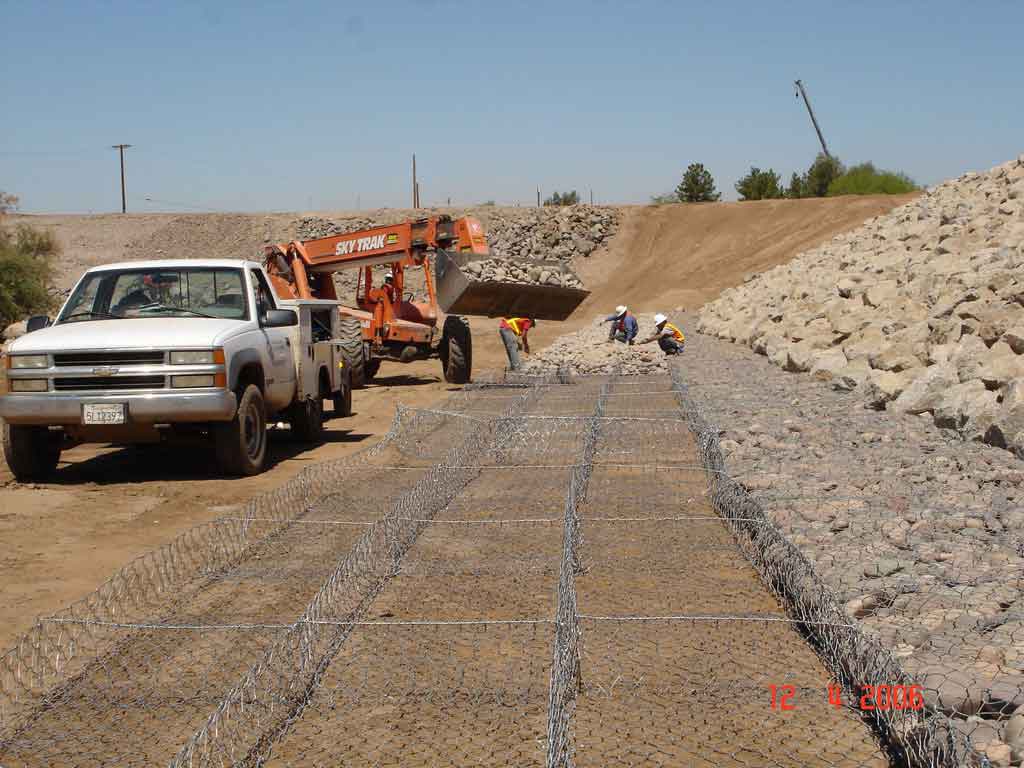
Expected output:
(350, 335)
(456, 350)
(32, 453)
(241, 444)
(343, 398)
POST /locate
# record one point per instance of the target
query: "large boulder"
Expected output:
(883, 387)
(924, 392)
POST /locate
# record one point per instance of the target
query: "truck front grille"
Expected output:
(108, 358)
(108, 383)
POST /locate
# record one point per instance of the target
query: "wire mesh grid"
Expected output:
(548, 571)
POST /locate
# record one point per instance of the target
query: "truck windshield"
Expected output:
(158, 292)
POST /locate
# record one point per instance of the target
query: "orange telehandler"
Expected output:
(387, 324)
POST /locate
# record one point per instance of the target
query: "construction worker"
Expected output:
(624, 326)
(670, 339)
(515, 331)
(389, 285)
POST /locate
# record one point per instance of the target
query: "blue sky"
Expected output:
(286, 106)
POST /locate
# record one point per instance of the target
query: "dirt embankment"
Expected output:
(108, 505)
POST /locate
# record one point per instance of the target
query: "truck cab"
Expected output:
(149, 350)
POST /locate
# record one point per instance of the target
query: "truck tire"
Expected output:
(307, 419)
(456, 350)
(343, 397)
(241, 444)
(350, 336)
(32, 453)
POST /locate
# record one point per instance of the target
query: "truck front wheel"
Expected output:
(32, 453)
(241, 444)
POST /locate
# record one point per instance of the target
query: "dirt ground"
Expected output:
(108, 505)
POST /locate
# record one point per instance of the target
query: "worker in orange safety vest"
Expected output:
(670, 339)
(515, 331)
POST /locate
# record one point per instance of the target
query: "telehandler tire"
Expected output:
(32, 452)
(456, 350)
(343, 398)
(241, 444)
(350, 336)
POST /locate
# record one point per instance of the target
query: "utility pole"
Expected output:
(814, 120)
(415, 185)
(591, 196)
(121, 148)
(538, 197)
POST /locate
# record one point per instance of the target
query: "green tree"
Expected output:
(865, 179)
(759, 185)
(563, 198)
(796, 186)
(697, 186)
(823, 171)
(25, 268)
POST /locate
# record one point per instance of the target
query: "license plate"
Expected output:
(103, 413)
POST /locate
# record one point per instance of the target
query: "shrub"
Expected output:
(697, 186)
(665, 199)
(759, 185)
(8, 202)
(563, 198)
(865, 179)
(25, 269)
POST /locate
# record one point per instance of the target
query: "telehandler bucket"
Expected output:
(459, 294)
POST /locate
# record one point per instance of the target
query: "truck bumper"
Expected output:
(149, 408)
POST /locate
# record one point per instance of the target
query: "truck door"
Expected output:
(280, 365)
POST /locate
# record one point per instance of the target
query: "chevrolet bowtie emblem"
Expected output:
(105, 370)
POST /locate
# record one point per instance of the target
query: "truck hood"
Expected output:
(130, 333)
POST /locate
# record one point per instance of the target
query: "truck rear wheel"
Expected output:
(307, 419)
(241, 444)
(456, 350)
(350, 337)
(32, 453)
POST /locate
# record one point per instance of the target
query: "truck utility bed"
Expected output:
(459, 294)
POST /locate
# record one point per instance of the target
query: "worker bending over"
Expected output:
(515, 331)
(624, 326)
(670, 338)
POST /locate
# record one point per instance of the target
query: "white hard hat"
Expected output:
(659, 319)
(621, 309)
(389, 275)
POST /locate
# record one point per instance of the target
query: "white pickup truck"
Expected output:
(142, 351)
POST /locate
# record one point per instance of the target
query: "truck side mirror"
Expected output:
(36, 322)
(279, 318)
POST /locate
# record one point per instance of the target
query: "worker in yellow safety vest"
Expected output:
(670, 339)
(515, 331)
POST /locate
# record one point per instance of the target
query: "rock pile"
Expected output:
(559, 233)
(504, 271)
(920, 536)
(921, 310)
(588, 351)
(551, 232)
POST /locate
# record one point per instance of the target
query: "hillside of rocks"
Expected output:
(921, 311)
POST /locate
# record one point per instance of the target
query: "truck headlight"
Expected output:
(198, 357)
(199, 380)
(28, 361)
(28, 385)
